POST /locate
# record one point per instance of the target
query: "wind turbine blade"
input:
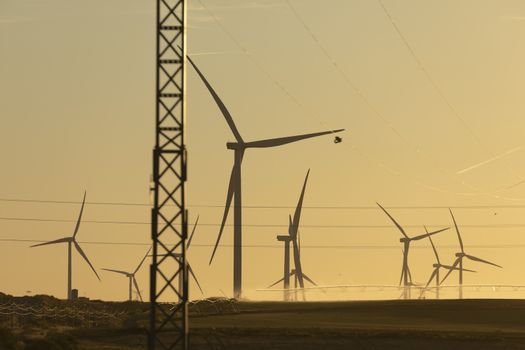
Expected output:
(192, 233)
(137, 287)
(457, 230)
(81, 252)
(219, 103)
(117, 271)
(448, 267)
(80, 215)
(417, 238)
(142, 261)
(402, 273)
(299, 207)
(299, 242)
(409, 274)
(393, 220)
(277, 282)
(190, 270)
(309, 279)
(285, 140)
(290, 226)
(61, 240)
(456, 263)
(229, 197)
(434, 273)
(433, 247)
(474, 258)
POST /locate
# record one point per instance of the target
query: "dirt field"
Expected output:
(417, 324)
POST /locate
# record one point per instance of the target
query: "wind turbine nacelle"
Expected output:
(459, 255)
(284, 238)
(233, 145)
(436, 265)
(404, 240)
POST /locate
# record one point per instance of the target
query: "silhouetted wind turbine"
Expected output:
(234, 187)
(177, 255)
(72, 241)
(437, 266)
(293, 236)
(131, 277)
(406, 277)
(459, 259)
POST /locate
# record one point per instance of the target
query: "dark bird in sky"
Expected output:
(337, 139)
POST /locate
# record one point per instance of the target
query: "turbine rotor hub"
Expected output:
(234, 145)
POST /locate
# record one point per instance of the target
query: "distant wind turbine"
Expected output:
(293, 236)
(178, 255)
(406, 277)
(459, 259)
(72, 241)
(437, 266)
(131, 277)
(234, 187)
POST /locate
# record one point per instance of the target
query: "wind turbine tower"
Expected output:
(234, 188)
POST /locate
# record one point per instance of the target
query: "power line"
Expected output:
(258, 64)
(345, 76)
(311, 226)
(320, 207)
(375, 111)
(274, 246)
(438, 90)
(347, 79)
(426, 73)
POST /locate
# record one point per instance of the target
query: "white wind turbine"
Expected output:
(234, 187)
(72, 241)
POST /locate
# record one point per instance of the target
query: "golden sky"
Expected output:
(77, 107)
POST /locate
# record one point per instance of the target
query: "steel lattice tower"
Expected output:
(169, 273)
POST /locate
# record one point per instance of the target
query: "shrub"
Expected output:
(7, 339)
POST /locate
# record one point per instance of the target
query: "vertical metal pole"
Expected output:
(286, 266)
(461, 278)
(169, 298)
(437, 283)
(130, 296)
(69, 272)
(405, 268)
(237, 229)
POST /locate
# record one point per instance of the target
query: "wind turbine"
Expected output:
(72, 241)
(406, 277)
(234, 187)
(293, 236)
(178, 255)
(437, 266)
(459, 259)
(131, 277)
